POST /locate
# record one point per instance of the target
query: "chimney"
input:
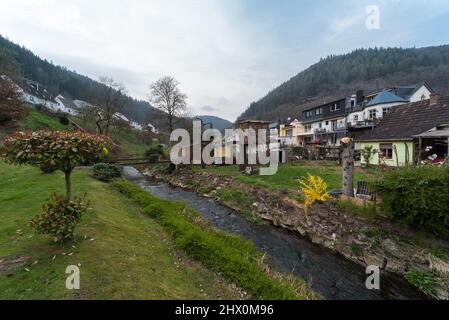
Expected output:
(360, 96)
(435, 98)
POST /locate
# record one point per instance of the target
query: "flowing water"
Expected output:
(330, 274)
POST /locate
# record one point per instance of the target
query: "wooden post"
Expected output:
(348, 166)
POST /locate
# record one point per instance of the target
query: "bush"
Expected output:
(314, 189)
(422, 280)
(155, 153)
(416, 195)
(47, 167)
(64, 120)
(60, 217)
(230, 255)
(107, 172)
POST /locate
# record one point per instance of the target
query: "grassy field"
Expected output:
(37, 120)
(288, 174)
(129, 143)
(122, 254)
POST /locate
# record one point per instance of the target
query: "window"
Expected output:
(386, 110)
(372, 114)
(319, 111)
(335, 107)
(327, 123)
(356, 117)
(386, 150)
(320, 125)
(309, 114)
(308, 127)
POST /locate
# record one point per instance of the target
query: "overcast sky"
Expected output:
(225, 53)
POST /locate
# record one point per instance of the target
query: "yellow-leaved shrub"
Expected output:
(314, 189)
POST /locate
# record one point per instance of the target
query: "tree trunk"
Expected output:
(68, 185)
(348, 168)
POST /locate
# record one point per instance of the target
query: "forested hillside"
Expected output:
(366, 69)
(60, 80)
(217, 122)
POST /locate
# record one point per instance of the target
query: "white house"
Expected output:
(152, 128)
(66, 105)
(34, 93)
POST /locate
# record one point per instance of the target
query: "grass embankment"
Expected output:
(130, 143)
(288, 174)
(122, 254)
(234, 258)
(37, 120)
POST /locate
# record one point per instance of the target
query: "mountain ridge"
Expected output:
(60, 80)
(362, 69)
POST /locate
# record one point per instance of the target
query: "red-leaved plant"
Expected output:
(62, 150)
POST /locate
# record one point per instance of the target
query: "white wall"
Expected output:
(419, 93)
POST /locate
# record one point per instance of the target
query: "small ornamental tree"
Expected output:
(63, 150)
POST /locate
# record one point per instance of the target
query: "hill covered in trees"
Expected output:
(366, 69)
(60, 80)
(217, 122)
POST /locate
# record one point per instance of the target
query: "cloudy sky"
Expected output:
(225, 53)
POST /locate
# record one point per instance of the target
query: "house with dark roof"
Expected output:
(411, 133)
(34, 93)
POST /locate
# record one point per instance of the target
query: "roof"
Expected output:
(444, 133)
(254, 122)
(37, 90)
(67, 102)
(409, 120)
(385, 97)
(407, 91)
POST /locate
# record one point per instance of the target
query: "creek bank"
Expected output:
(358, 238)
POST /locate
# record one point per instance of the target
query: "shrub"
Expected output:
(422, 280)
(63, 149)
(64, 120)
(367, 153)
(222, 252)
(314, 189)
(107, 172)
(155, 153)
(416, 195)
(60, 217)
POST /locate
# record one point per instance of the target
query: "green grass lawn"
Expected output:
(37, 120)
(122, 253)
(288, 174)
(129, 143)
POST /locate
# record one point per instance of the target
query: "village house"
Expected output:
(327, 123)
(411, 133)
(66, 105)
(36, 94)
(367, 111)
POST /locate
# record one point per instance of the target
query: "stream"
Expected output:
(328, 273)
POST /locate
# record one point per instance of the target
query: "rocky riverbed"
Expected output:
(359, 238)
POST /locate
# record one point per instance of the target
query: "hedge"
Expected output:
(222, 252)
(416, 195)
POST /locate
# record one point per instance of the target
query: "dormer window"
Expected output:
(335, 107)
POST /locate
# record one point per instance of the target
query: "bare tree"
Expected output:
(111, 100)
(166, 96)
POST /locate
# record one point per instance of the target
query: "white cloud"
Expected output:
(195, 41)
(224, 54)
